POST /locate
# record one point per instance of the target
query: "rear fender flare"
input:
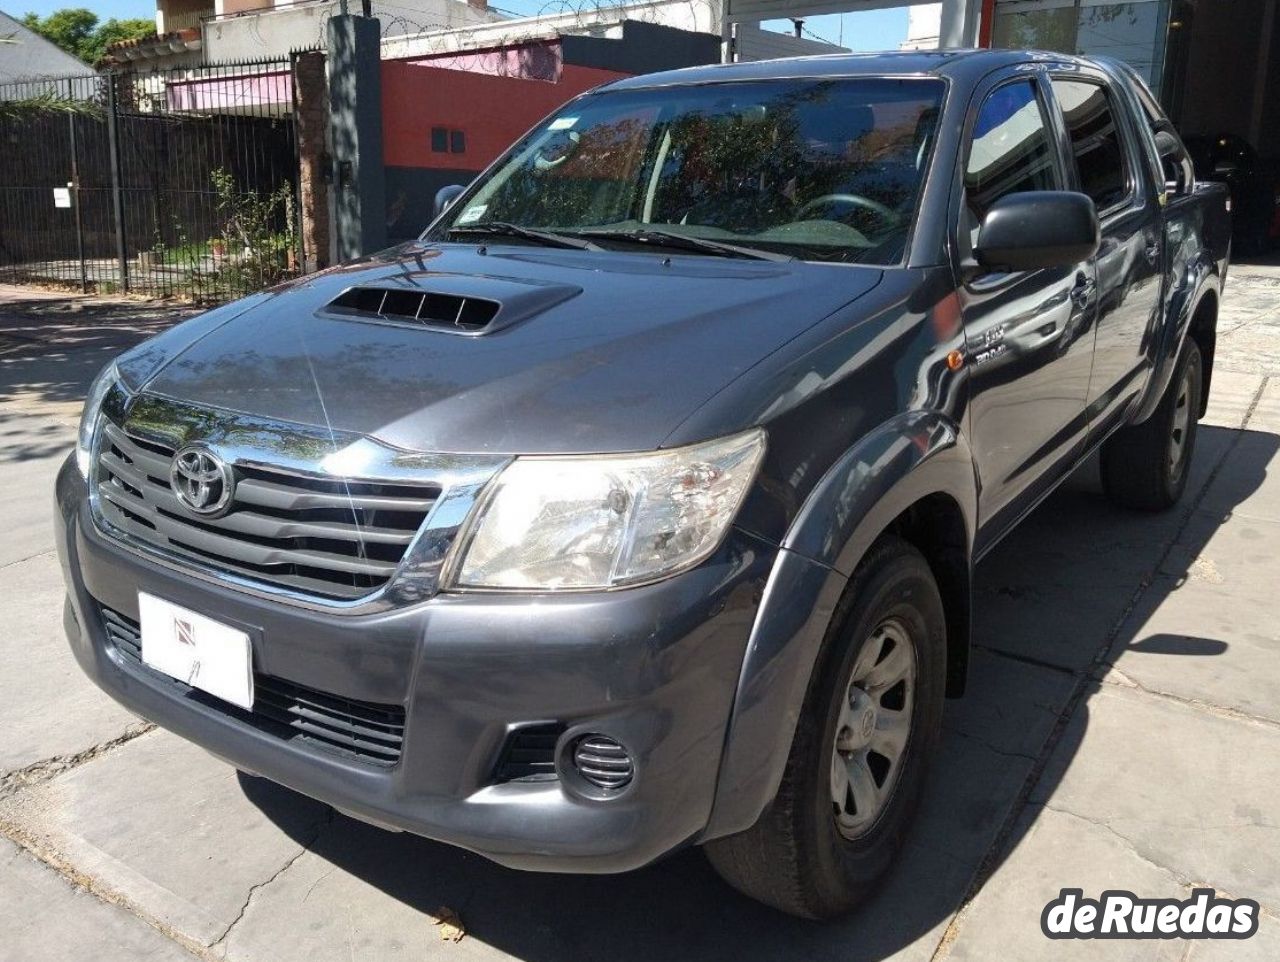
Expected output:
(1202, 280)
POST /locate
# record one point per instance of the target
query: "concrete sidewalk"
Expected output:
(1122, 730)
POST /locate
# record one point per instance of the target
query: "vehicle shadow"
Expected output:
(52, 348)
(1052, 606)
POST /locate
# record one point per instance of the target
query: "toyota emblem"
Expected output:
(201, 480)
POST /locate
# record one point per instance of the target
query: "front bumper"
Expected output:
(655, 668)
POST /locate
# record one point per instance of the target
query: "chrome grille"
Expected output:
(329, 537)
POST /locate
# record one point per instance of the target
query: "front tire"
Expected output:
(1145, 466)
(870, 724)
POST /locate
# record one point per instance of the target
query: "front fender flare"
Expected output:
(906, 459)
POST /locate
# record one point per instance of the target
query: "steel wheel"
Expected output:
(1180, 426)
(873, 729)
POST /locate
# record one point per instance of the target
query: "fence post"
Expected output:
(75, 190)
(355, 105)
(311, 122)
(117, 190)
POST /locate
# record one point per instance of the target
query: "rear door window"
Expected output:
(1096, 141)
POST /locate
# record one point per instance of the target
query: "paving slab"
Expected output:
(1204, 642)
(1262, 946)
(48, 708)
(32, 449)
(362, 890)
(168, 827)
(1188, 788)
(43, 916)
(1009, 705)
(1250, 343)
(1055, 599)
(191, 845)
(1266, 413)
(1231, 396)
(1056, 850)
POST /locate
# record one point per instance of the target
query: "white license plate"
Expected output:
(196, 650)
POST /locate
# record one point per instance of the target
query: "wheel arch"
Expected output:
(1203, 329)
(913, 477)
(1194, 316)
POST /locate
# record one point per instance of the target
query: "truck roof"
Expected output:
(955, 64)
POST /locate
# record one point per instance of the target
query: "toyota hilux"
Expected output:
(635, 505)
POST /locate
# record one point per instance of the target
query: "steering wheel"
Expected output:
(886, 213)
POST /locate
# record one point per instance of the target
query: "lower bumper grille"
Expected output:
(529, 754)
(370, 731)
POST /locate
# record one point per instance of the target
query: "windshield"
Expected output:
(815, 169)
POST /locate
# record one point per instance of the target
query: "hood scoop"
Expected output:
(457, 304)
(421, 307)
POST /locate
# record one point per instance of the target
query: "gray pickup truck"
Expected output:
(635, 505)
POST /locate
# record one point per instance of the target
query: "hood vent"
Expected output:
(430, 309)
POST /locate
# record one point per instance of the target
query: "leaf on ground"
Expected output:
(451, 928)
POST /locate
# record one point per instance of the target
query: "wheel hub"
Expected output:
(1180, 426)
(873, 728)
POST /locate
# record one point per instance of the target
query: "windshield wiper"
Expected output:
(546, 237)
(662, 238)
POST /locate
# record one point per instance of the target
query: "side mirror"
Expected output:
(446, 196)
(1037, 229)
(1167, 145)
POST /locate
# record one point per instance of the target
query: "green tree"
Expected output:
(77, 31)
(113, 31)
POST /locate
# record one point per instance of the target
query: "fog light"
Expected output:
(602, 762)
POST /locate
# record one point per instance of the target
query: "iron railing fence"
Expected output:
(176, 182)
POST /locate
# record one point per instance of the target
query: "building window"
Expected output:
(1133, 32)
(446, 141)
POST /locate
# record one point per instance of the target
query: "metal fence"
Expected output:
(181, 182)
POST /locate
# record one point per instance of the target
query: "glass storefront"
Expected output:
(1133, 31)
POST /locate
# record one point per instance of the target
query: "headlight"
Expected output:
(98, 390)
(563, 523)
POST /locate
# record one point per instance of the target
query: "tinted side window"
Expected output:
(1011, 150)
(1095, 141)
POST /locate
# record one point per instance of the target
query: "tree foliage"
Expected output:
(78, 31)
(47, 102)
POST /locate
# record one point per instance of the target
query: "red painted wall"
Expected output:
(491, 110)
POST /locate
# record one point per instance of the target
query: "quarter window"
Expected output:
(1010, 152)
(1095, 141)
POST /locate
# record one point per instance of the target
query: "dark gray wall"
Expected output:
(644, 48)
(355, 110)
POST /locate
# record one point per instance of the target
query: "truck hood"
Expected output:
(588, 352)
